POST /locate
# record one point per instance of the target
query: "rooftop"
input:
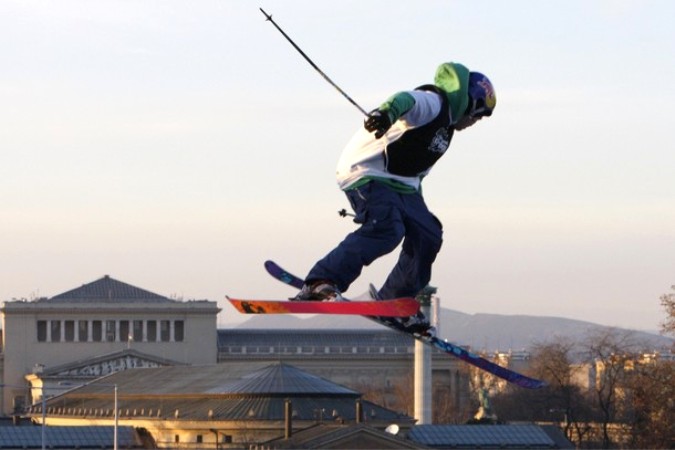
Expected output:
(482, 436)
(236, 391)
(67, 437)
(283, 379)
(107, 289)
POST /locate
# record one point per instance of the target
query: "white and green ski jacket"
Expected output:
(421, 130)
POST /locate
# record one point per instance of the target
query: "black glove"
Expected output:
(379, 122)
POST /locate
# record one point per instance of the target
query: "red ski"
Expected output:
(400, 307)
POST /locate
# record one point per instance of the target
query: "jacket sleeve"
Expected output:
(397, 105)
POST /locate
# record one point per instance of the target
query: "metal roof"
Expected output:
(244, 391)
(326, 435)
(67, 437)
(481, 436)
(216, 380)
(315, 408)
(283, 379)
(107, 289)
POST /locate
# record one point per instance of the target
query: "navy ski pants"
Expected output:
(387, 217)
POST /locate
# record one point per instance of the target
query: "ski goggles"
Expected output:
(478, 108)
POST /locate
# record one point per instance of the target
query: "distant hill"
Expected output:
(480, 331)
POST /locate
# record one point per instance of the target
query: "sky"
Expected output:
(177, 145)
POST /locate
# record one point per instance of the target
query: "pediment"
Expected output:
(106, 364)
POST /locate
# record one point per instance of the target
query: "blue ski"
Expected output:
(447, 347)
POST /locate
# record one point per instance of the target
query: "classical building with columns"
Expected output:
(96, 329)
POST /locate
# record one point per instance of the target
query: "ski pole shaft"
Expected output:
(311, 63)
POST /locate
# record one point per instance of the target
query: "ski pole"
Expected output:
(325, 77)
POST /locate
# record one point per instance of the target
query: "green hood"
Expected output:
(453, 78)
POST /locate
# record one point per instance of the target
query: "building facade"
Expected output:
(53, 344)
(100, 318)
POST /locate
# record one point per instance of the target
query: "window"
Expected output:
(138, 330)
(124, 330)
(55, 330)
(178, 331)
(69, 326)
(83, 330)
(19, 403)
(117, 331)
(110, 335)
(200, 439)
(97, 330)
(152, 331)
(165, 330)
(42, 330)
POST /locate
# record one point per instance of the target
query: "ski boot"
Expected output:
(417, 324)
(319, 291)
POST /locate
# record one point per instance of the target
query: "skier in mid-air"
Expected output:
(381, 170)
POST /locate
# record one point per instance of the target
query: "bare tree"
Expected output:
(612, 352)
(554, 362)
(651, 400)
(446, 409)
(399, 396)
(668, 303)
(620, 397)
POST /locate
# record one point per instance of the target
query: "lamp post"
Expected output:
(43, 431)
(115, 403)
(43, 398)
(65, 386)
(43, 401)
(115, 437)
